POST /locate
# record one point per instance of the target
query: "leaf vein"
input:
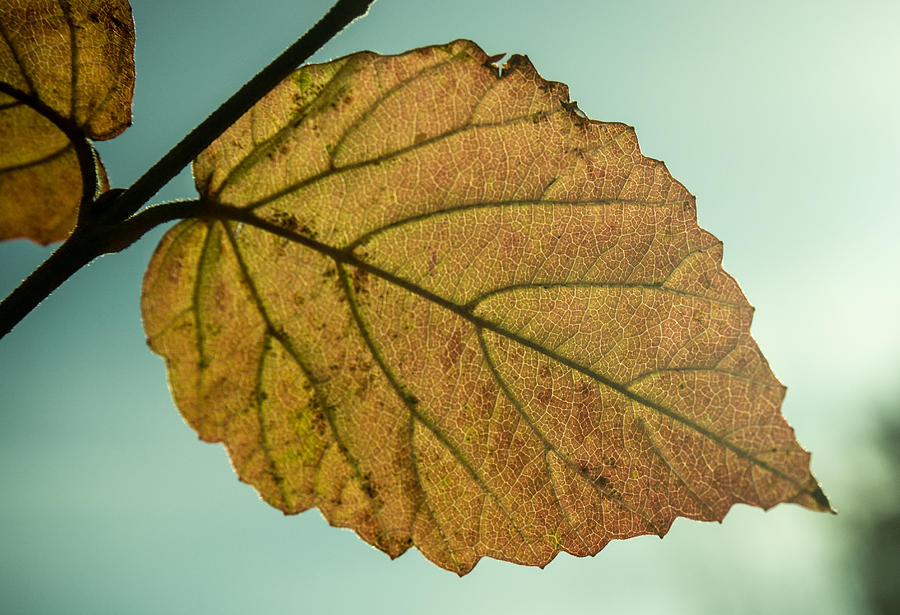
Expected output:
(384, 158)
(411, 403)
(549, 446)
(263, 431)
(39, 161)
(530, 203)
(673, 470)
(297, 357)
(273, 142)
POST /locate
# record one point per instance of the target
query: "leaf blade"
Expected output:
(496, 309)
(75, 59)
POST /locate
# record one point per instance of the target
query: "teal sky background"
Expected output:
(781, 117)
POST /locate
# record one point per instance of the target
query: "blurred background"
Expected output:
(781, 117)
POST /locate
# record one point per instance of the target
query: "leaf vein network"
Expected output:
(548, 445)
(297, 358)
(410, 402)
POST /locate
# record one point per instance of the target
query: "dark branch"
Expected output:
(111, 227)
(77, 251)
(340, 15)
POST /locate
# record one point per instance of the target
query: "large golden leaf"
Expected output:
(72, 60)
(450, 312)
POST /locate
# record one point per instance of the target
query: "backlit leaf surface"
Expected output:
(76, 58)
(451, 312)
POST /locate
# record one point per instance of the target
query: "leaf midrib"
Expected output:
(224, 212)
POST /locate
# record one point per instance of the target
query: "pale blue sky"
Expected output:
(781, 117)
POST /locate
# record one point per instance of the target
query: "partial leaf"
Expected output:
(440, 305)
(63, 64)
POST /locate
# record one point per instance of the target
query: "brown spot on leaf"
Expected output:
(360, 280)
